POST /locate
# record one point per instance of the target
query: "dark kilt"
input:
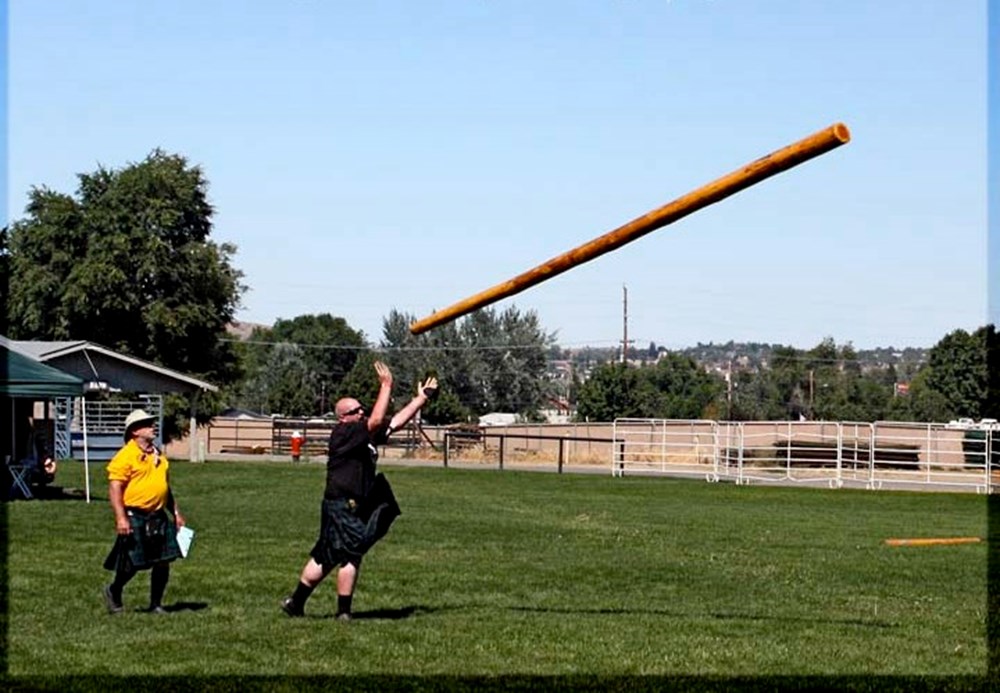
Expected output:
(153, 540)
(349, 528)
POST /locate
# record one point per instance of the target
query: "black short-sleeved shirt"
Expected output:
(350, 466)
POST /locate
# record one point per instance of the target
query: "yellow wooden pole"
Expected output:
(719, 189)
(933, 541)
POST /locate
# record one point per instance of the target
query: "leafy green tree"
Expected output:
(487, 361)
(850, 397)
(756, 397)
(820, 380)
(127, 263)
(823, 383)
(410, 356)
(614, 390)
(955, 381)
(791, 380)
(838, 390)
(887, 376)
(683, 389)
(446, 409)
(674, 388)
(296, 367)
(957, 368)
(514, 374)
(922, 404)
(330, 348)
(285, 384)
(438, 352)
(361, 382)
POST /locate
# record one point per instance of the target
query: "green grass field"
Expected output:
(514, 573)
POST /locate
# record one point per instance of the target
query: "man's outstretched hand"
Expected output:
(429, 388)
(384, 374)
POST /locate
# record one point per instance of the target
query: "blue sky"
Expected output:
(993, 165)
(387, 155)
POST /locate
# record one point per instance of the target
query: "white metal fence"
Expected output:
(834, 453)
(98, 426)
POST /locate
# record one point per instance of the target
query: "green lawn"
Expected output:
(515, 573)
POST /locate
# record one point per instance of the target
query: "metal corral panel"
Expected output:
(834, 453)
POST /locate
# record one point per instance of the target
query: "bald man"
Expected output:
(358, 505)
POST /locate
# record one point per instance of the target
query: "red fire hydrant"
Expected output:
(297, 440)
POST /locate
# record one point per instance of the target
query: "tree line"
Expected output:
(490, 361)
(128, 262)
(828, 382)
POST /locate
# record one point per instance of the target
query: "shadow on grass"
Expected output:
(391, 614)
(420, 610)
(184, 606)
(721, 615)
(48, 493)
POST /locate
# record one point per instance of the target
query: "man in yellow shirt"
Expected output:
(139, 490)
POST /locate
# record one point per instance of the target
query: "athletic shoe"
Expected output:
(114, 605)
(343, 616)
(159, 610)
(289, 606)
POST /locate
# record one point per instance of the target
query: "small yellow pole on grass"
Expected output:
(933, 541)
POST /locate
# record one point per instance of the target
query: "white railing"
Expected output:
(108, 417)
(667, 446)
(884, 454)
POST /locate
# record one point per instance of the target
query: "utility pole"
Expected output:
(810, 394)
(729, 391)
(625, 341)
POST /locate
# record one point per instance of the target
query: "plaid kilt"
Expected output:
(153, 540)
(349, 528)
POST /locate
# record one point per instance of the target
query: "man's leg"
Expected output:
(113, 592)
(347, 578)
(158, 585)
(312, 574)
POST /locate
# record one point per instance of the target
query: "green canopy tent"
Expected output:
(24, 378)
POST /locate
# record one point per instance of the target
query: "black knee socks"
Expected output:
(301, 594)
(158, 579)
(121, 579)
(158, 583)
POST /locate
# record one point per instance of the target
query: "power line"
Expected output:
(771, 357)
(386, 349)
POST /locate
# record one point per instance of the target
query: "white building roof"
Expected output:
(96, 363)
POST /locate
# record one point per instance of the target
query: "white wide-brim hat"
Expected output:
(136, 417)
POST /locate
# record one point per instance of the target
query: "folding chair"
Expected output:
(20, 475)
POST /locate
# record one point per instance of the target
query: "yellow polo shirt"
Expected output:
(145, 476)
